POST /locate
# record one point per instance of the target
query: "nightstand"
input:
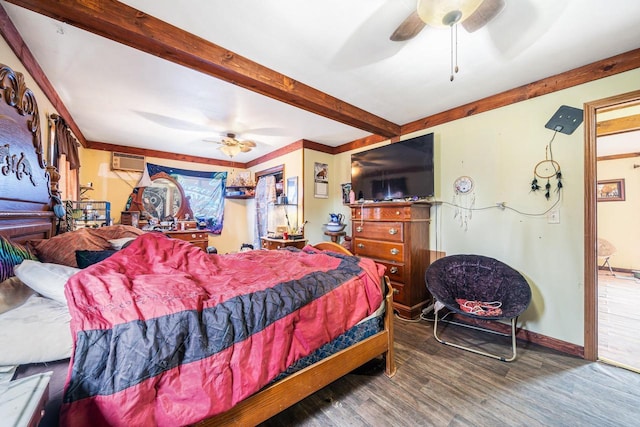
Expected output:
(23, 402)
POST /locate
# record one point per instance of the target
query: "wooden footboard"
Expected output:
(292, 389)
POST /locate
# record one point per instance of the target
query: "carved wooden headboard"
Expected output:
(25, 192)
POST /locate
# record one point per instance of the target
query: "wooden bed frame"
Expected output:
(292, 389)
(26, 213)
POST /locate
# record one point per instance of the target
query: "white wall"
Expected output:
(499, 150)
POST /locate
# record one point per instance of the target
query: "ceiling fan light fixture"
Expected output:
(231, 150)
(445, 13)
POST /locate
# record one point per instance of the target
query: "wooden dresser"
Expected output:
(272, 244)
(199, 238)
(396, 234)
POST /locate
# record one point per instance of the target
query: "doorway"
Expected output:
(592, 109)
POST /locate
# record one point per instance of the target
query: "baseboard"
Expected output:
(523, 334)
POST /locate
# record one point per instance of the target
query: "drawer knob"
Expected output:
(393, 270)
(395, 251)
(396, 291)
(397, 212)
(393, 231)
(359, 229)
(360, 246)
(193, 236)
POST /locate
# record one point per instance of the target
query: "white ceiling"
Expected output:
(121, 96)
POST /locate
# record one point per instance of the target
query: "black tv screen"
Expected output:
(401, 170)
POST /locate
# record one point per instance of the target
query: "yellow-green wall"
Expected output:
(316, 210)
(618, 221)
(499, 150)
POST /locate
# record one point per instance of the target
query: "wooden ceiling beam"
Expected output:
(619, 125)
(588, 73)
(134, 28)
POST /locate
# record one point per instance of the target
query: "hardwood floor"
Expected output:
(438, 385)
(619, 319)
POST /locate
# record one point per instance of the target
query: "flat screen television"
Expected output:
(398, 171)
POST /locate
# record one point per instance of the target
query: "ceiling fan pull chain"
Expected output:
(454, 50)
(451, 59)
(456, 69)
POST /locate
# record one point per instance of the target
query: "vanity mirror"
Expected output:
(162, 199)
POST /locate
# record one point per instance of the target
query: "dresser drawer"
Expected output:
(189, 236)
(399, 294)
(381, 213)
(395, 272)
(390, 231)
(378, 249)
(195, 237)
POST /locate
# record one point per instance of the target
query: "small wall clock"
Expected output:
(463, 184)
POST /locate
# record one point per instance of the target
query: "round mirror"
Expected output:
(163, 199)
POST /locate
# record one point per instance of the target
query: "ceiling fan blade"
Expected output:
(487, 10)
(245, 149)
(408, 29)
(248, 143)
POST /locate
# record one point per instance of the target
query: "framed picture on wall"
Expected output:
(611, 190)
(321, 180)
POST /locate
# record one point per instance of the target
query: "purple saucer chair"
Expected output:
(479, 279)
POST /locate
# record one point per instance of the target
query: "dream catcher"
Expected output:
(464, 200)
(547, 169)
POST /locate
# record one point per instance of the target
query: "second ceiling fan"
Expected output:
(232, 146)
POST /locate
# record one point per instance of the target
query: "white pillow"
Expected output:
(45, 278)
(38, 331)
(117, 244)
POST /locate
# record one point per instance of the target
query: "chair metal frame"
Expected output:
(513, 320)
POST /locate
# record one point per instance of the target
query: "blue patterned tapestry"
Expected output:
(205, 191)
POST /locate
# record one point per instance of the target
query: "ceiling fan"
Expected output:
(471, 14)
(232, 146)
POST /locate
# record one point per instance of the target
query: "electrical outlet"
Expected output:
(553, 217)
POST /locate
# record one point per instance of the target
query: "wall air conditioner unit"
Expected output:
(127, 162)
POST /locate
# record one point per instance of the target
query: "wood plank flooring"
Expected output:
(438, 385)
(619, 319)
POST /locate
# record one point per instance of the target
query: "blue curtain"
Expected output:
(205, 191)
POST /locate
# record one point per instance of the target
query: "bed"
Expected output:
(127, 295)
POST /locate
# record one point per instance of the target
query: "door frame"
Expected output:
(591, 217)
